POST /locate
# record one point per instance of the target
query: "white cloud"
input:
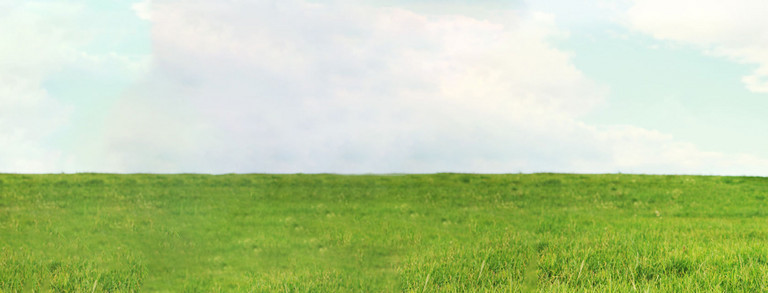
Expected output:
(30, 48)
(734, 30)
(143, 9)
(292, 86)
(637, 150)
(40, 40)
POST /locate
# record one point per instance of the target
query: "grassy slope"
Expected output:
(448, 232)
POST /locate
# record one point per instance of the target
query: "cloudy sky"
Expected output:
(383, 86)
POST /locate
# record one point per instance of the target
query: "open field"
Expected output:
(414, 233)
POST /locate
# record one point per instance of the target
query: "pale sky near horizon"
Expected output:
(384, 86)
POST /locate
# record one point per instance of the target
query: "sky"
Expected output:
(384, 86)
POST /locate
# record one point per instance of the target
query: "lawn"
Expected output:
(382, 233)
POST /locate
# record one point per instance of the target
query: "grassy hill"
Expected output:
(415, 233)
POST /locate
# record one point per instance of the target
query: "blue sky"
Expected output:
(383, 86)
(677, 90)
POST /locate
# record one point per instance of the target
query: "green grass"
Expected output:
(413, 233)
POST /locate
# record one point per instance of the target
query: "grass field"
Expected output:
(414, 233)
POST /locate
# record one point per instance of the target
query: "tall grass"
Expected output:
(413, 233)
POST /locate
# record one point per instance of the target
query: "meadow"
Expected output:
(382, 233)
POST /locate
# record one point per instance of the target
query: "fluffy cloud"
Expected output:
(51, 54)
(733, 30)
(294, 86)
(638, 150)
(29, 52)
